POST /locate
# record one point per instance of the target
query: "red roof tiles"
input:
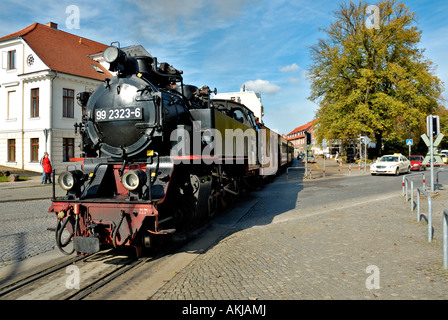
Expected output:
(301, 128)
(62, 51)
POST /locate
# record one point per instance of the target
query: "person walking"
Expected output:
(41, 161)
(46, 163)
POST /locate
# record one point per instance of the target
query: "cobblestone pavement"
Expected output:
(23, 230)
(279, 251)
(284, 247)
(24, 217)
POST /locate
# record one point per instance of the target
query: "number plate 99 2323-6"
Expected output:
(112, 114)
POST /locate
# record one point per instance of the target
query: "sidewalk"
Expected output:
(31, 189)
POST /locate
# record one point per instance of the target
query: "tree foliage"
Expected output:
(373, 81)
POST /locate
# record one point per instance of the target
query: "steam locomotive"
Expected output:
(158, 156)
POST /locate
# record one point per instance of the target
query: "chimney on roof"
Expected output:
(52, 25)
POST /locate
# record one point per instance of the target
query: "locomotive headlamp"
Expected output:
(111, 54)
(115, 57)
(133, 179)
(70, 179)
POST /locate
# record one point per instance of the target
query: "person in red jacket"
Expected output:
(46, 163)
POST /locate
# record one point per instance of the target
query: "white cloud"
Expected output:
(262, 86)
(290, 68)
(293, 80)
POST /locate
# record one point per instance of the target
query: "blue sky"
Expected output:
(225, 44)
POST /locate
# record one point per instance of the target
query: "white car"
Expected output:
(391, 164)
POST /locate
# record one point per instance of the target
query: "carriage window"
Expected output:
(238, 115)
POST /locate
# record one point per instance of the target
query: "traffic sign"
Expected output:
(409, 142)
(436, 143)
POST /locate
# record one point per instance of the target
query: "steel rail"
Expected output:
(36, 276)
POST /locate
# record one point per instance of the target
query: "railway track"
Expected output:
(124, 275)
(74, 279)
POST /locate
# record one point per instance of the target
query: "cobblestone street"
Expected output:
(322, 252)
(298, 239)
(23, 229)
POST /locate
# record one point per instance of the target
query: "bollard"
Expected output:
(445, 239)
(437, 176)
(430, 231)
(406, 179)
(418, 205)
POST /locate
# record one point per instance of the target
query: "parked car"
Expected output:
(391, 164)
(416, 163)
(444, 157)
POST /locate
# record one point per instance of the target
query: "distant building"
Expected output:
(297, 136)
(250, 99)
(43, 70)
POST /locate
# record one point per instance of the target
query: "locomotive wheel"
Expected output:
(151, 242)
(212, 205)
(186, 212)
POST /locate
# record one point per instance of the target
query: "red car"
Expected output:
(416, 163)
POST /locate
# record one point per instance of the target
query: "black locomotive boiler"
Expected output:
(158, 156)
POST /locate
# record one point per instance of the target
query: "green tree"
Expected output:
(371, 77)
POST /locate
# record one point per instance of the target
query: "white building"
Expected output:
(250, 99)
(43, 70)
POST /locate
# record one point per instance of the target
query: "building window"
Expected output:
(68, 145)
(68, 103)
(11, 59)
(12, 105)
(34, 150)
(34, 103)
(11, 150)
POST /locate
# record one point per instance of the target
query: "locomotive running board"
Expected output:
(87, 245)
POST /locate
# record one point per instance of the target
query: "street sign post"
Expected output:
(409, 143)
(366, 141)
(433, 130)
(431, 148)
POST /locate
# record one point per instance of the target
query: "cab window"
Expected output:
(238, 115)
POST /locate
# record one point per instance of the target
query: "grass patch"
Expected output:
(5, 179)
